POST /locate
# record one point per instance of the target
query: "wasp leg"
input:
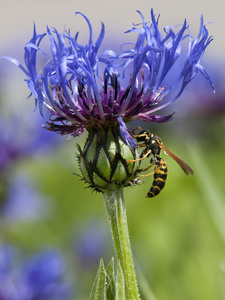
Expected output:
(146, 175)
(141, 145)
(133, 130)
(138, 159)
(146, 170)
(155, 171)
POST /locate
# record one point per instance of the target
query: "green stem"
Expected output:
(116, 213)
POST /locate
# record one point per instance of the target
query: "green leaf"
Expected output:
(120, 284)
(222, 267)
(98, 291)
(110, 281)
(145, 290)
(210, 190)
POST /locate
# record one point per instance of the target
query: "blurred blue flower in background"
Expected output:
(23, 202)
(40, 277)
(201, 102)
(201, 115)
(21, 137)
(91, 244)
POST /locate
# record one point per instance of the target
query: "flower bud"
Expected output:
(103, 161)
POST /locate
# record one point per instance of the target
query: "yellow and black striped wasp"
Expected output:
(153, 146)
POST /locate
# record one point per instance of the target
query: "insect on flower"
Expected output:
(153, 146)
(99, 93)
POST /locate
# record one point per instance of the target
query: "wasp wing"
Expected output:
(185, 167)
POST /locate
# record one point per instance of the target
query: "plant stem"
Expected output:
(116, 213)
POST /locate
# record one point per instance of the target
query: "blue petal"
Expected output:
(157, 55)
(127, 138)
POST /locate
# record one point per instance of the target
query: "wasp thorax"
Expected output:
(103, 161)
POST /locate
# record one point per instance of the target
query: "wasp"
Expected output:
(152, 147)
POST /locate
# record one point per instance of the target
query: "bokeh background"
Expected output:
(53, 231)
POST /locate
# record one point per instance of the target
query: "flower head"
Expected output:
(78, 97)
(83, 89)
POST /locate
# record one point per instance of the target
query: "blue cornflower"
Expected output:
(68, 84)
(91, 244)
(39, 277)
(20, 137)
(42, 277)
(83, 89)
(22, 202)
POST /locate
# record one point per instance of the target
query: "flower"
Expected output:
(42, 276)
(22, 202)
(91, 244)
(38, 277)
(68, 84)
(84, 90)
(22, 137)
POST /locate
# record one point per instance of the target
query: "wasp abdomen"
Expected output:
(160, 176)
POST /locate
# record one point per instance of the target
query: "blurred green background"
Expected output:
(178, 237)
